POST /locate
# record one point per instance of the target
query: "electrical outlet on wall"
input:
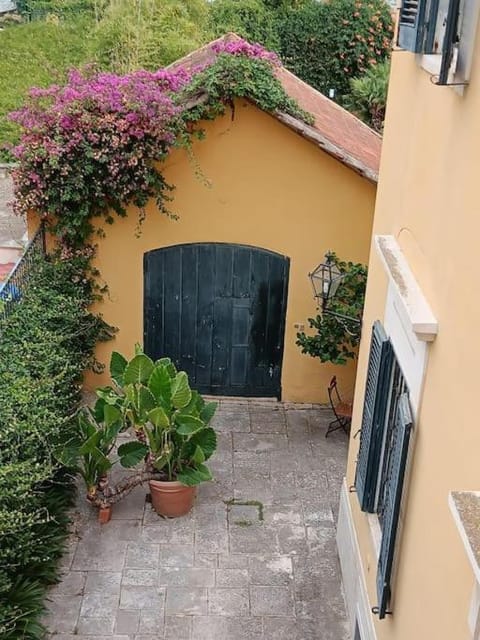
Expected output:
(299, 326)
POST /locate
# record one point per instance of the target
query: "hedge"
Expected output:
(45, 345)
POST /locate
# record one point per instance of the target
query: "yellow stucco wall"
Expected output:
(428, 199)
(269, 188)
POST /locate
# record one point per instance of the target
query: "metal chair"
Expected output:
(341, 410)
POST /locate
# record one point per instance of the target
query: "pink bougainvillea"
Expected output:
(243, 48)
(92, 147)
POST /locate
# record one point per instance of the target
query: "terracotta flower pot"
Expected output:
(104, 514)
(171, 499)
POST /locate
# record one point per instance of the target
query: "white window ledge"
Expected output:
(465, 507)
(416, 310)
(431, 62)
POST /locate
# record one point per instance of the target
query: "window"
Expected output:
(443, 31)
(398, 388)
(383, 452)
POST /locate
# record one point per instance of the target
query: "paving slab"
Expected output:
(254, 560)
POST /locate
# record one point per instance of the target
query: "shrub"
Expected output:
(249, 19)
(336, 337)
(45, 344)
(327, 43)
(148, 34)
(368, 95)
(36, 54)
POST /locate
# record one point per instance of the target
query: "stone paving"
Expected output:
(255, 559)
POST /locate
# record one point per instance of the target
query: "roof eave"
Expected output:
(309, 133)
(313, 135)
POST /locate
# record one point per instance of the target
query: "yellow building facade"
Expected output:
(397, 538)
(252, 182)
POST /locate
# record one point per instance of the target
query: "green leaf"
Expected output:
(107, 394)
(168, 364)
(154, 439)
(138, 370)
(160, 462)
(198, 457)
(138, 349)
(194, 406)
(110, 433)
(188, 425)
(207, 440)
(146, 402)
(98, 409)
(68, 453)
(158, 417)
(91, 443)
(131, 395)
(190, 476)
(117, 367)
(101, 462)
(111, 415)
(85, 426)
(208, 411)
(181, 392)
(160, 384)
(131, 453)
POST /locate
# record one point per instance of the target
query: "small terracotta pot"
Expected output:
(171, 499)
(104, 514)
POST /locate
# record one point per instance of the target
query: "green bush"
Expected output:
(328, 43)
(36, 54)
(147, 35)
(368, 95)
(45, 345)
(249, 19)
(337, 334)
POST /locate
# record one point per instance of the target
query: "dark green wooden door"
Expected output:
(218, 310)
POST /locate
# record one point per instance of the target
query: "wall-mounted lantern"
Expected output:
(326, 279)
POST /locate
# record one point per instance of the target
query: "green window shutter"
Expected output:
(411, 25)
(393, 497)
(373, 420)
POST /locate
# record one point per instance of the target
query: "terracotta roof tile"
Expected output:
(341, 127)
(340, 133)
(5, 270)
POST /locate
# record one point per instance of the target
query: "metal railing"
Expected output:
(12, 289)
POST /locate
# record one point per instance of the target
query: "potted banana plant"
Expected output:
(172, 437)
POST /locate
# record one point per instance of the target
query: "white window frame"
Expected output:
(410, 324)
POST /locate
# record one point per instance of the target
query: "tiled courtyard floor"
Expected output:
(228, 571)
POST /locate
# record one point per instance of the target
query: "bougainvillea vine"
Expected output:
(95, 146)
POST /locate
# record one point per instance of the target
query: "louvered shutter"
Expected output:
(373, 420)
(392, 503)
(411, 25)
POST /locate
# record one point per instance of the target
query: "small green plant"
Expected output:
(368, 95)
(336, 338)
(173, 439)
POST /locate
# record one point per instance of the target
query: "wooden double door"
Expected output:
(218, 310)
